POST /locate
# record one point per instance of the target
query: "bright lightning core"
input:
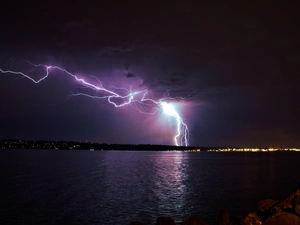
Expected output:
(182, 129)
(135, 98)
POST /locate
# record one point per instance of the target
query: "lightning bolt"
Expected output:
(136, 98)
(182, 129)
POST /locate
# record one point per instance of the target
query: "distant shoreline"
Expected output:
(73, 145)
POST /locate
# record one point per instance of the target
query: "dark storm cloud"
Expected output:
(112, 51)
(198, 45)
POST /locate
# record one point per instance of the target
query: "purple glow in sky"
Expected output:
(128, 97)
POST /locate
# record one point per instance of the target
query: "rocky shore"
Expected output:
(269, 212)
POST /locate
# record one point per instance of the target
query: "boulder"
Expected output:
(296, 204)
(284, 205)
(164, 220)
(250, 219)
(266, 204)
(195, 220)
(283, 219)
(223, 218)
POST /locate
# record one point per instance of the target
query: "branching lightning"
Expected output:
(135, 98)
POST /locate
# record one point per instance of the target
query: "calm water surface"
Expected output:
(116, 187)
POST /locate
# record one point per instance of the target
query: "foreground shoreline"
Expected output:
(269, 212)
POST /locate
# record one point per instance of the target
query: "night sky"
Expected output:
(236, 66)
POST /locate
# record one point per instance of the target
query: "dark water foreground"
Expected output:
(111, 187)
(269, 212)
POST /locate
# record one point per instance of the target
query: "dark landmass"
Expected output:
(73, 145)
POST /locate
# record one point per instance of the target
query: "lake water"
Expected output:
(117, 187)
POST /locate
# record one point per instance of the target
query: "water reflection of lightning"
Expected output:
(136, 98)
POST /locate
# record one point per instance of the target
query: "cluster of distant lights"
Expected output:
(253, 149)
(240, 150)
